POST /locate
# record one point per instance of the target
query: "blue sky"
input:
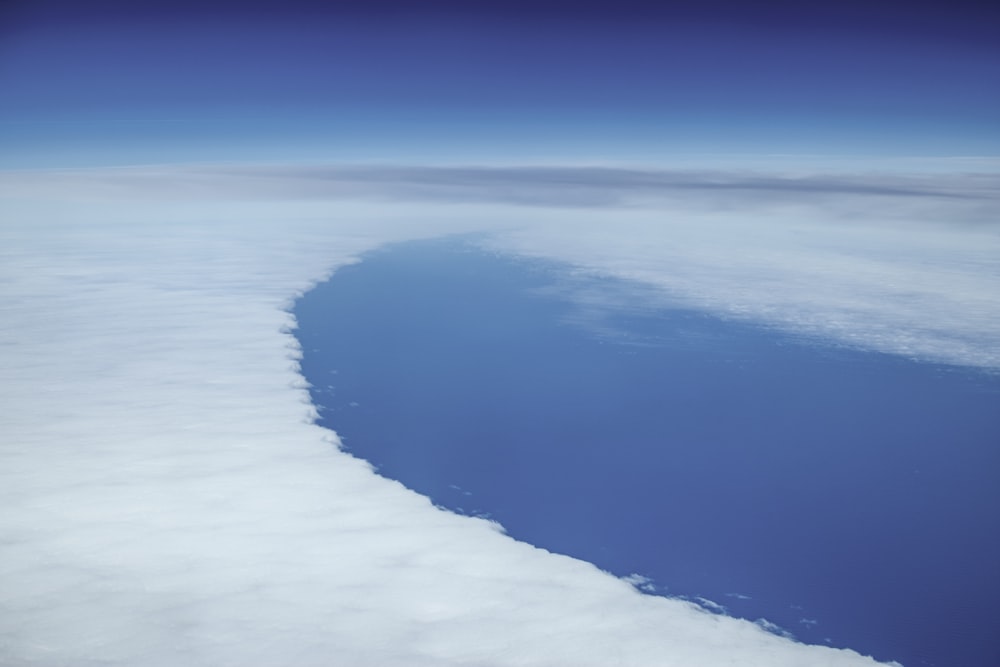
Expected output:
(121, 83)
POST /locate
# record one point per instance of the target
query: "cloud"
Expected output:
(641, 582)
(904, 264)
(711, 605)
(168, 500)
(774, 628)
(522, 185)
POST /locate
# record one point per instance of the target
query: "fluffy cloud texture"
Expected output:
(167, 499)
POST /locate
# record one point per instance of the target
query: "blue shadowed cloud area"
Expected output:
(604, 299)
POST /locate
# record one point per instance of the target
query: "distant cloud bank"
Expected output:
(533, 185)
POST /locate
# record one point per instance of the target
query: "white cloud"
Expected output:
(167, 501)
(774, 628)
(641, 582)
(906, 264)
(711, 605)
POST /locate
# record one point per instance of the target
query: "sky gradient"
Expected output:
(493, 81)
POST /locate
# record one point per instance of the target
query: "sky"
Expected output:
(173, 176)
(468, 82)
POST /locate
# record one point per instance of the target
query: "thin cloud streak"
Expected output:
(545, 186)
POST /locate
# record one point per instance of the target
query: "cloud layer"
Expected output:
(582, 186)
(902, 263)
(167, 499)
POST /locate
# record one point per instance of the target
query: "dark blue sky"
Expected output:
(470, 80)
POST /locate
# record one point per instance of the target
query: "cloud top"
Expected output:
(167, 498)
(902, 263)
